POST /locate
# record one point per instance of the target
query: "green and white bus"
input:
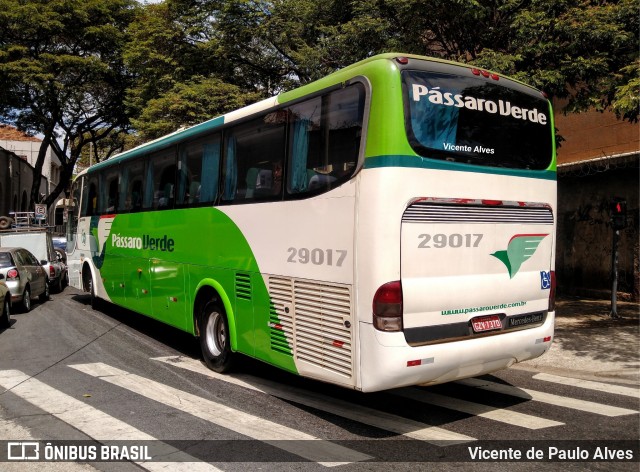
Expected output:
(390, 224)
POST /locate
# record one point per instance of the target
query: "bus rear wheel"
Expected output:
(214, 338)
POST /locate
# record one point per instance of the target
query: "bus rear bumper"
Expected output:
(387, 361)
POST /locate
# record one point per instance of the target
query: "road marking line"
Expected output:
(95, 423)
(288, 439)
(497, 414)
(588, 384)
(361, 414)
(549, 398)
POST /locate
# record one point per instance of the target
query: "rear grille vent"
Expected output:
(422, 212)
(318, 321)
(243, 286)
(280, 315)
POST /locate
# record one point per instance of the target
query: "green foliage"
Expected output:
(189, 103)
(76, 71)
(626, 102)
(64, 75)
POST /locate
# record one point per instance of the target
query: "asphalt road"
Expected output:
(92, 377)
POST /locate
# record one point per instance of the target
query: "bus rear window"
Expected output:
(475, 121)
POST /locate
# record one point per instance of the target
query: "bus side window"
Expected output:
(254, 159)
(131, 186)
(136, 195)
(324, 143)
(108, 201)
(163, 178)
(198, 171)
(73, 213)
(92, 201)
(304, 145)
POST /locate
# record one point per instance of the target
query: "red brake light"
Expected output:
(12, 274)
(52, 271)
(402, 60)
(387, 307)
(475, 71)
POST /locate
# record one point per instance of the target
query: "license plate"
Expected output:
(486, 323)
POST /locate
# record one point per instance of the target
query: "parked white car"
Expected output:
(40, 244)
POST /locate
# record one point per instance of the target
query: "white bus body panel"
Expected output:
(385, 356)
(305, 253)
(468, 281)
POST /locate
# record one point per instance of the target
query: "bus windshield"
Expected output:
(476, 121)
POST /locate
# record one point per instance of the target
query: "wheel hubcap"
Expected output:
(216, 336)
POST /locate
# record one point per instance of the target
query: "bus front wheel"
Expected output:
(89, 286)
(214, 338)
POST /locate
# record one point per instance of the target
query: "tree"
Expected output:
(190, 103)
(97, 150)
(66, 80)
(584, 50)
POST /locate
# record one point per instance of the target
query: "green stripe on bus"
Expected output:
(376, 162)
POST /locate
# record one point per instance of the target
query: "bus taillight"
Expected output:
(387, 307)
(552, 292)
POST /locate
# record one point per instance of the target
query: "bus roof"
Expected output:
(330, 80)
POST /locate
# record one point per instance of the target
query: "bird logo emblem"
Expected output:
(520, 248)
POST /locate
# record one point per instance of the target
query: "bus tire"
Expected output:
(5, 222)
(5, 321)
(215, 342)
(95, 301)
(89, 286)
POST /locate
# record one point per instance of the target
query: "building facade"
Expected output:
(597, 163)
(18, 156)
(27, 147)
(16, 179)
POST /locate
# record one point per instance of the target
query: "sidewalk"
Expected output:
(588, 344)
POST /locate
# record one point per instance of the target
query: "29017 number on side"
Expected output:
(317, 256)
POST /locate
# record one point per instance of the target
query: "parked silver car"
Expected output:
(24, 276)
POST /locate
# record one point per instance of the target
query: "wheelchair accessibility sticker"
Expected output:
(545, 280)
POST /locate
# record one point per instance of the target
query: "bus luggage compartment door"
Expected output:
(137, 286)
(168, 293)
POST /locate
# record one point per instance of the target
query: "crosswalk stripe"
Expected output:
(549, 398)
(590, 385)
(288, 439)
(496, 414)
(361, 414)
(93, 422)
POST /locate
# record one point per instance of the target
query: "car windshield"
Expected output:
(5, 260)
